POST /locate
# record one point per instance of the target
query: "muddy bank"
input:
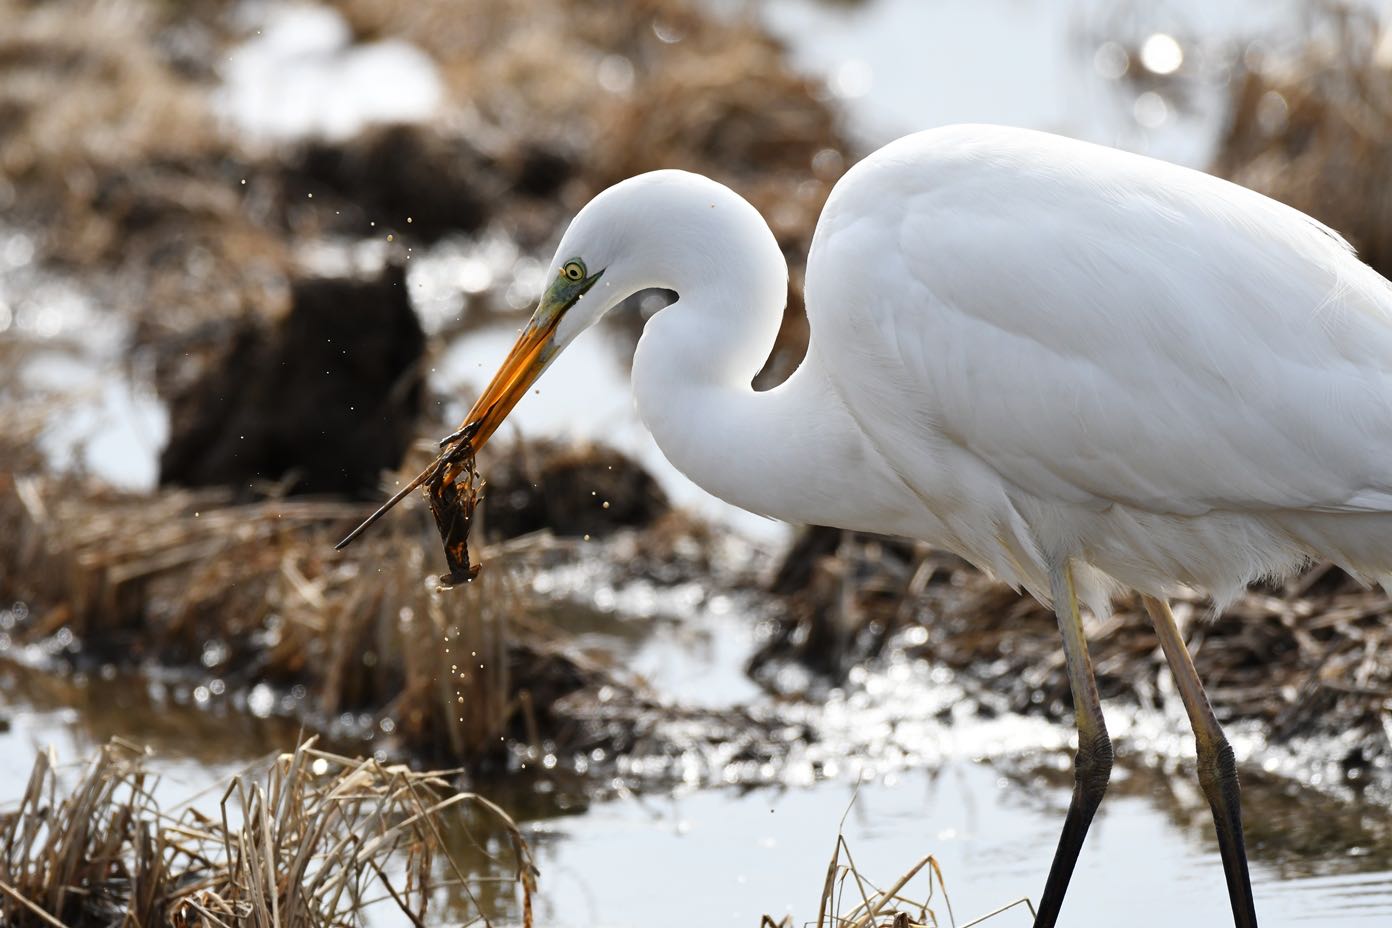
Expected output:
(321, 402)
(1310, 658)
(253, 595)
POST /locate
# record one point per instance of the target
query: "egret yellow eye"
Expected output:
(573, 270)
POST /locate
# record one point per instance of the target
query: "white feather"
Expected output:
(1025, 349)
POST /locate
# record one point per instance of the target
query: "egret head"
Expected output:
(545, 334)
(599, 243)
(665, 229)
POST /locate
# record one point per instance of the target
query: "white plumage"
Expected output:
(1167, 376)
(1024, 349)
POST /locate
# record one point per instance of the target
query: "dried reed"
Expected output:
(362, 631)
(850, 899)
(1314, 129)
(313, 839)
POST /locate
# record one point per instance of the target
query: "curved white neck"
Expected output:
(781, 452)
(793, 452)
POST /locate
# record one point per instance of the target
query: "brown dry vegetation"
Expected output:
(1315, 130)
(553, 99)
(115, 159)
(311, 839)
(612, 90)
(86, 93)
(110, 145)
(460, 673)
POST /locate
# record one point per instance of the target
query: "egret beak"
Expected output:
(533, 352)
(530, 355)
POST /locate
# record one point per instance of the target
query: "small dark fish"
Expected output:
(452, 503)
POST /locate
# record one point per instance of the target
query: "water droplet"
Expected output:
(667, 32)
(615, 74)
(853, 78)
(1273, 113)
(1151, 110)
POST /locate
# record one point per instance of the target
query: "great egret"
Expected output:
(1081, 369)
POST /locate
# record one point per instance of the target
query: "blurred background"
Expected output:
(256, 256)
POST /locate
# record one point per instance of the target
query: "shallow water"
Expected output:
(725, 858)
(903, 65)
(985, 797)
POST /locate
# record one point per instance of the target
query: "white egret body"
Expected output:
(1024, 349)
(1068, 364)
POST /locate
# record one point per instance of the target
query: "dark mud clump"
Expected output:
(322, 401)
(570, 490)
(420, 181)
(396, 176)
(841, 593)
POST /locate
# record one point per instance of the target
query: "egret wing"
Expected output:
(1099, 328)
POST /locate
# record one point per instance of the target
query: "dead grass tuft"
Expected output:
(365, 632)
(850, 899)
(85, 90)
(311, 840)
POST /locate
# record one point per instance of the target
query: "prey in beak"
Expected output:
(533, 352)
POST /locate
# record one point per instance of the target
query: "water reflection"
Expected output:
(1149, 860)
(193, 746)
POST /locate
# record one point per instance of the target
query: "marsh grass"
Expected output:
(309, 839)
(850, 899)
(169, 574)
(1314, 128)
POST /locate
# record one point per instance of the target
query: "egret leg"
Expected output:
(1217, 767)
(1092, 765)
